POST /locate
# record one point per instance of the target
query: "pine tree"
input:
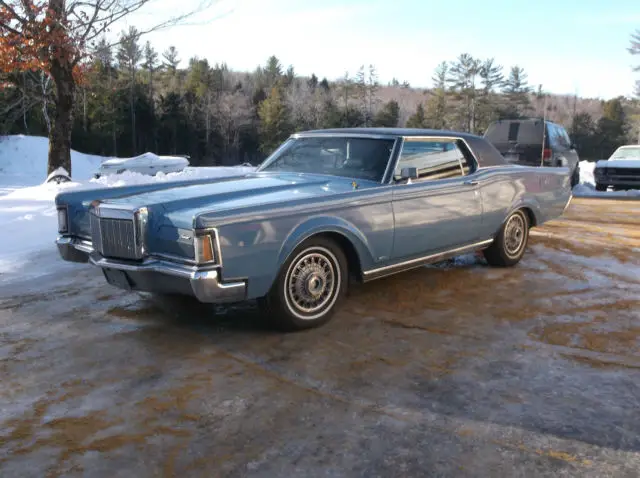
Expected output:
(388, 115)
(417, 120)
(516, 90)
(612, 127)
(438, 105)
(634, 49)
(274, 120)
(463, 77)
(171, 60)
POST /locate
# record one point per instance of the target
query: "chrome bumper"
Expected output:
(156, 275)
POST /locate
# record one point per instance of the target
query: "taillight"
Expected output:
(546, 153)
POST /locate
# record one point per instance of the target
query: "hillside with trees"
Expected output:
(131, 98)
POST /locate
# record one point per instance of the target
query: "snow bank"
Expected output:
(188, 173)
(23, 161)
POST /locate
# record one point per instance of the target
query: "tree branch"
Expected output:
(13, 12)
(27, 8)
(115, 16)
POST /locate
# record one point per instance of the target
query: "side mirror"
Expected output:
(409, 173)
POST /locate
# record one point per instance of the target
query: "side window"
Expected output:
(553, 136)
(566, 138)
(434, 159)
(559, 136)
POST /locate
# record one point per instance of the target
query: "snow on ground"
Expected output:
(27, 209)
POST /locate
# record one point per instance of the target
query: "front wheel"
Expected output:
(509, 244)
(309, 287)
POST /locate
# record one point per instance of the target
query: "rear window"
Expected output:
(523, 132)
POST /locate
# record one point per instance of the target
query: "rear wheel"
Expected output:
(508, 247)
(601, 187)
(309, 287)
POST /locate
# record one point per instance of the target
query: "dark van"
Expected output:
(535, 142)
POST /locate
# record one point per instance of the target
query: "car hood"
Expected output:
(181, 203)
(618, 163)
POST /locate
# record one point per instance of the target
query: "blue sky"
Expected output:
(566, 45)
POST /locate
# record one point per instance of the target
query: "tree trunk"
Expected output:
(60, 134)
(132, 105)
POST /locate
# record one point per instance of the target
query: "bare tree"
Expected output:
(54, 36)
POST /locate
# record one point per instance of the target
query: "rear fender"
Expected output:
(530, 203)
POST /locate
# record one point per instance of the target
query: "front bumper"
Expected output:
(156, 275)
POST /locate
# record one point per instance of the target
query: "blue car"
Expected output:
(326, 207)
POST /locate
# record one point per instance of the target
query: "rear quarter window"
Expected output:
(522, 132)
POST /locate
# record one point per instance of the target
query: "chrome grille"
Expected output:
(114, 237)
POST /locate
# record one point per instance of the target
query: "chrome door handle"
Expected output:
(471, 182)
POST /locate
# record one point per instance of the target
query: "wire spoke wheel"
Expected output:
(311, 282)
(514, 235)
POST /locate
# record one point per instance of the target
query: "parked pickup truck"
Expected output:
(326, 206)
(621, 170)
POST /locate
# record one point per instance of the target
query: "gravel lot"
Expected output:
(453, 370)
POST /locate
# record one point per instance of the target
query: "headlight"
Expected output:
(63, 223)
(204, 250)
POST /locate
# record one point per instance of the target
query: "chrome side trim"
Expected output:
(421, 261)
(568, 203)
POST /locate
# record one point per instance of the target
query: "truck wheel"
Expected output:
(601, 187)
(310, 285)
(508, 246)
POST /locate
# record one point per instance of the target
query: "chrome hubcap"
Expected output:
(311, 282)
(514, 233)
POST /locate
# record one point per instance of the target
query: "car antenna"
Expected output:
(544, 130)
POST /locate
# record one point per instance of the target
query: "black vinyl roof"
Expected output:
(391, 132)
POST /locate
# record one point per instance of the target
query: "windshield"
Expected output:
(362, 158)
(626, 153)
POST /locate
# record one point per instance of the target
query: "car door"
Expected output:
(442, 208)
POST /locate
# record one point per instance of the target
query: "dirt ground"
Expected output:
(453, 370)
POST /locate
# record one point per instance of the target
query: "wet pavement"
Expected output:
(453, 370)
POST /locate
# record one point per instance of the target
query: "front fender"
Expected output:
(327, 224)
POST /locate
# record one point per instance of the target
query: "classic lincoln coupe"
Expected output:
(326, 207)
